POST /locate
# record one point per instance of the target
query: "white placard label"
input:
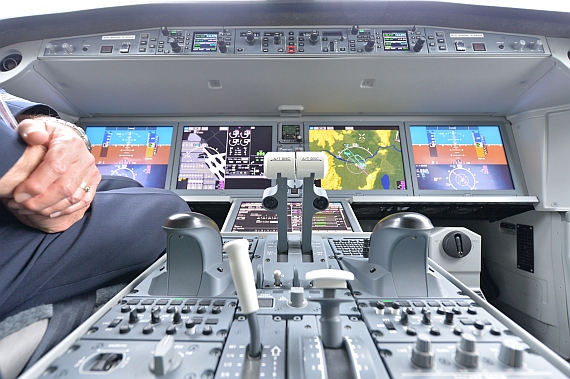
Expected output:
(466, 35)
(107, 38)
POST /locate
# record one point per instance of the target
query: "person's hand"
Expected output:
(64, 182)
(46, 223)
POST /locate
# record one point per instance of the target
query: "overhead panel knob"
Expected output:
(53, 48)
(354, 30)
(68, 47)
(519, 44)
(222, 45)
(249, 37)
(277, 39)
(314, 37)
(174, 44)
(419, 44)
(537, 45)
(369, 45)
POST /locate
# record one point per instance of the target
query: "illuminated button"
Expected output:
(106, 49)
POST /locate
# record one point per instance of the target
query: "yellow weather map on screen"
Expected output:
(360, 157)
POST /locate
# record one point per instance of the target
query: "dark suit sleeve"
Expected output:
(11, 145)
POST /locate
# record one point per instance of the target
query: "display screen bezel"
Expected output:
(140, 125)
(374, 192)
(236, 206)
(509, 147)
(249, 192)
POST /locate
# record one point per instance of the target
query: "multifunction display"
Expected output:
(205, 41)
(396, 40)
(223, 157)
(460, 158)
(360, 157)
(141, 153)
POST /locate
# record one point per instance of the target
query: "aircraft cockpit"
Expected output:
(377, 189)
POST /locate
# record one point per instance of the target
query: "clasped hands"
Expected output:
(54, 182)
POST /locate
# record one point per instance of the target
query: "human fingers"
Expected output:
(81, 197)
(34, 132)
(58, 176)
(51, 225)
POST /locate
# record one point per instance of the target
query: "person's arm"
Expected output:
(55, 192)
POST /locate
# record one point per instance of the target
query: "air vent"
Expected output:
(10, 62)
(525, 247)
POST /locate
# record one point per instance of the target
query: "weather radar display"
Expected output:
(460, 158)
(360, 157)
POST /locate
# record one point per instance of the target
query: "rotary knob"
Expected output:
(354, 30)
(419, 44)
(249, 37)
(277, 39)
(222, 45)
(536, 45)
(422, 354)
(519, 44)
(68, 47)
(164, 31)
(53, 48)
(174, 44)
(314, 37)
(369, 45)
(466, 354)
(512, 353)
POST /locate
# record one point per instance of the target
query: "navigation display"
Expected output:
(223, 157)
(360, 157)
(141, 153)
(460, 158)
(251, 217)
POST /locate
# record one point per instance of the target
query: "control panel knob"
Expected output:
(314, 37)
(426, 318)
(222, 45)
(419, 44)
(380, 306)
(297, 297)
(369, 45)
(456, 244)
(165, 359)
(422, 354)
(537, 45)
(164, 31)
(404, 319)
(354, 30)
(277, 39)
(519, 44)
(511, 353)
(466, 354)
(249, 37)
(68, 47)
(53, 48)
(174, 44)
(449, 317)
